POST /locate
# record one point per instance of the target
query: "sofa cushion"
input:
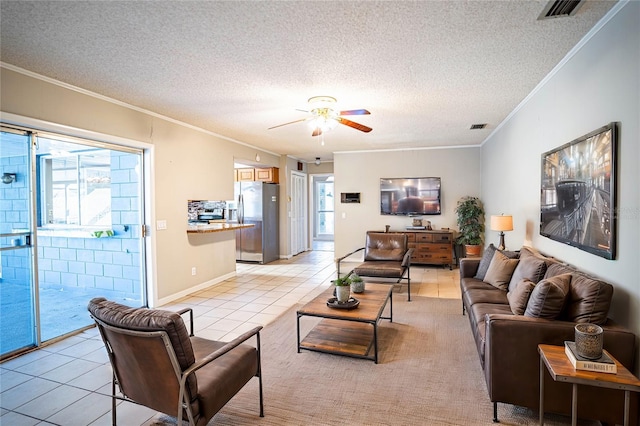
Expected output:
(478, 315)
(549, 297)
(491, 295)
(535, 253)
(467, 284)
(500, 270)
(589, 298)
(485, 261)
(487, 257)
(530, 267)
(519, 296)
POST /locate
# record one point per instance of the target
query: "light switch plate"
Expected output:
(161, 224)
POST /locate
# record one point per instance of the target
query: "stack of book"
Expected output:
(604, 364)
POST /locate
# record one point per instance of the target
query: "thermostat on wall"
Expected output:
(350, 197)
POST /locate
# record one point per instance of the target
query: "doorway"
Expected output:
(323, 212)
(298, 213)
(71, 223)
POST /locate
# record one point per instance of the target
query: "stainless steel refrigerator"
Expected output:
(257, 204)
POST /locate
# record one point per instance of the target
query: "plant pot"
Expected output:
(472, 250)
(342, 293)
(357, 286)
(589, 340)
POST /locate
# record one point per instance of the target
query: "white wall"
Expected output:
(598, 85)
(459, 169)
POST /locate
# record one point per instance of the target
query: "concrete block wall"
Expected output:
(14, 214)
(110, 266)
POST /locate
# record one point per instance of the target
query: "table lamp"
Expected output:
(501, 223)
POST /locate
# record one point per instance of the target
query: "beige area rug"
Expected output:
(428, 374)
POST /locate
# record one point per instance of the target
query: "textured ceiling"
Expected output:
(426, 70)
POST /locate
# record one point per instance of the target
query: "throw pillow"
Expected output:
(500, 270)
(485, 262)
(529, 267)
(519, 296)
(549, 297)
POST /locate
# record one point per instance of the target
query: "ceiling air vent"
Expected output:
(560, 8)
(478, 126)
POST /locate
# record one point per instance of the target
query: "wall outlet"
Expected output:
(193, 270)
(161, 224)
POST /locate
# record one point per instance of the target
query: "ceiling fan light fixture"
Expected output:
(324, 122)
(322, 101)
(323, 117)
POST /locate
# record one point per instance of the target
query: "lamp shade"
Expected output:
(502, 223)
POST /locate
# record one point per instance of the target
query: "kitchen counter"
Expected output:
(215, 227)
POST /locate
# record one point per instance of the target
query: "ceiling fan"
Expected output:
(324, 118)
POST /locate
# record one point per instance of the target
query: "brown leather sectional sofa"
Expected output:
(507, 343)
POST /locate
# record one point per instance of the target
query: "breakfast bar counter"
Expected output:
(215, 227)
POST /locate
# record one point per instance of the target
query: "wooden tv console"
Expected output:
(431, 247)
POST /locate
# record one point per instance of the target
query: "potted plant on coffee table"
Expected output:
(471, 224)
(343, 289)
(357, 284)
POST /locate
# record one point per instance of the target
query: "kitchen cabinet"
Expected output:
(267, 174)
(270, 175)
(431, 247)
(244, 175)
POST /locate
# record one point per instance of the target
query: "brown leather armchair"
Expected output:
(386, 255)
(158, 364)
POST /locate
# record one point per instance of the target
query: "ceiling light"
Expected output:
(324, 119)
(317, 162)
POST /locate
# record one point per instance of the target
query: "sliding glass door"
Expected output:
(71, 225)
(17, 277)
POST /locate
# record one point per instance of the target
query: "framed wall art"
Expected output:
(578, 192)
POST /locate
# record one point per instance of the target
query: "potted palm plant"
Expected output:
(471, 224)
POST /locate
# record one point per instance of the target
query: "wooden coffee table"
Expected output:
(347, 332)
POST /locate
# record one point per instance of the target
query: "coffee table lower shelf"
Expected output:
(339, 337)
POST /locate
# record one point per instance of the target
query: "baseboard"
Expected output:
(190, 290)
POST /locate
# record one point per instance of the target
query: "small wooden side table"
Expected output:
(561, 370)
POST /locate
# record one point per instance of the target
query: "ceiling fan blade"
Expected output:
(355, 112)
(355, 125)
(285, 124)
(317, 132)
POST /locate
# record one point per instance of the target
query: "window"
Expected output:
(75, 186)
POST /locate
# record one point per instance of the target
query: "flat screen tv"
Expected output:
(410, 196)
(578, 192)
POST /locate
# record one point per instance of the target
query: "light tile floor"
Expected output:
(68, 383)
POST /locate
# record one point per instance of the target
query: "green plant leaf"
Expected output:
(470, 220)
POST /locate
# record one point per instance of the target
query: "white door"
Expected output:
(298, 213)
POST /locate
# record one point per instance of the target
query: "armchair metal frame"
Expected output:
(162, 338)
